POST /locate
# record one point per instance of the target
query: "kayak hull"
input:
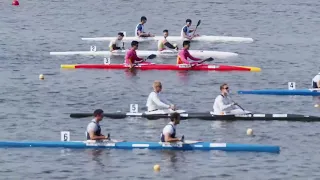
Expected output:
(283, 92)
(203, 38)
(209, 116)
(203, 67)
(165, 53)
(141, 145)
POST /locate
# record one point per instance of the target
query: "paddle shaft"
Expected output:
(196, 27)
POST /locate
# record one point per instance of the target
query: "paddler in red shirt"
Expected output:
(131, 55)
(184, 54)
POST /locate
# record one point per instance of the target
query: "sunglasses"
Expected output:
(226, 88)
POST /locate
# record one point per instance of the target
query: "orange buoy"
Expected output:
(15, 3)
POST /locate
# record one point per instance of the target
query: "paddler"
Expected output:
(169, 131)
(223, 105)
(117, 44)
(94, 129)
(186, 31)
(316, 81)
(140, 28)
(131, 55)
(162, 44)
(184, 54)
(155, 103)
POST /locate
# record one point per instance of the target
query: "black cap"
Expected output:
(134, 43)
(166, 30)
(188, 20)
(186, 43)
(174, 116)
(97, 112)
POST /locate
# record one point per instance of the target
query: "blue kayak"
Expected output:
(300, 92)
(142, 145)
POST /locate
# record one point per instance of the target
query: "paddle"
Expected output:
(205, 60)
(238, 105)
(152, 56)
(199, 22)
(113, 140)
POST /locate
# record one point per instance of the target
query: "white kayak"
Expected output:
(165, 53)
(203, 38)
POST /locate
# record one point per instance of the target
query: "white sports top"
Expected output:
(316, 78)
(154, 102)
(185, 28)
(119, 43)
(222, 104)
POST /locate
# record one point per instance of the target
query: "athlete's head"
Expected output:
(135, 44)
(175, 118)
(98, 114)
(165, 33)
(143, 19)
(120, 35)
(157, 86)
(186, 44)
(188, 22)
(224, 88)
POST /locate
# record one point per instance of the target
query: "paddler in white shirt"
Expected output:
(140, 28)
(94, 129)
(223, 105)
(155, 104)
(162, 44)
(117, 44)
(186, 31)
(316, 81)
(169, 131)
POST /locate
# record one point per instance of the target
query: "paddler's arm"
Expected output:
(223, 106)
(169, 45)
(188, 55)
(158, 102)
(318, 84)
(94, 137)
(114, 47)
(167, 138)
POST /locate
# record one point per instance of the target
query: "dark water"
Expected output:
(286, 48)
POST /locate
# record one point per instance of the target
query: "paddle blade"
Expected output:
(152, 56)
(199, 22)
(209, 59)
(81, 115)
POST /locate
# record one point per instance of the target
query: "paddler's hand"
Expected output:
(234, 103)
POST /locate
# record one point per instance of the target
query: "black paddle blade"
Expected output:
(199, 22)
(209, 59)
(81, 115)
(152, 56)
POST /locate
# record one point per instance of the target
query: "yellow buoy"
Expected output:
(316, 105)
(156, 167)
(249, 132)
(41, 76)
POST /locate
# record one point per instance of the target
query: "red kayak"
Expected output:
(176, 67)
